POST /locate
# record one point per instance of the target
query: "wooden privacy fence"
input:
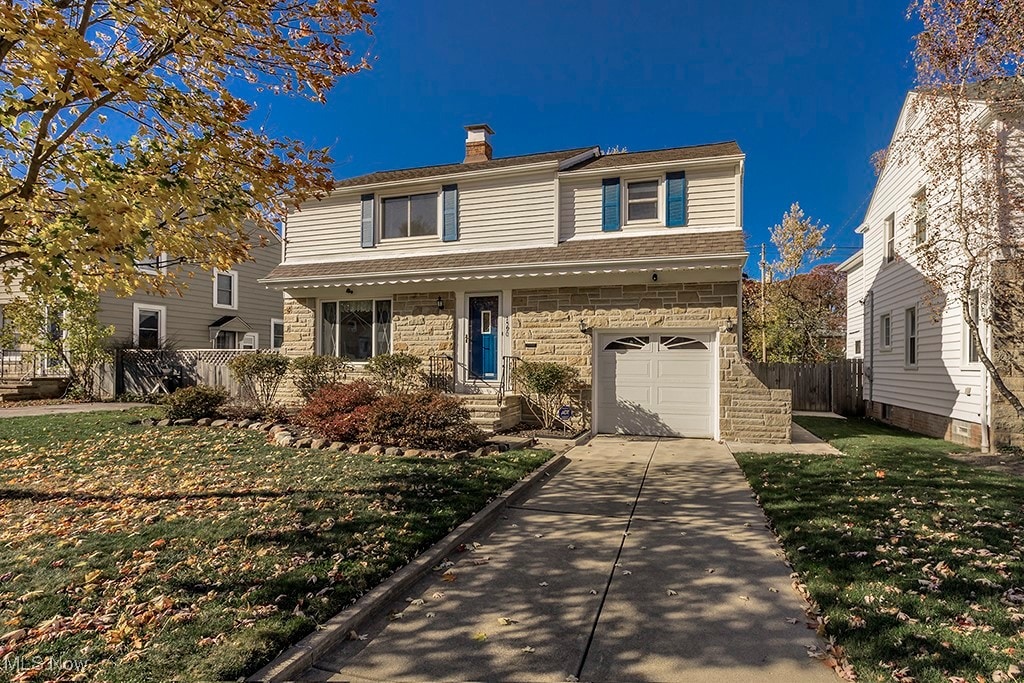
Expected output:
(139, 371)
(826, 387)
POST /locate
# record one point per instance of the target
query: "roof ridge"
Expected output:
(568, 151)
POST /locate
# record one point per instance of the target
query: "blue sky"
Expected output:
(809, 89)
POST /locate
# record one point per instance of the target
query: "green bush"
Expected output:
(550, 383)
(260, 374)
(396, 373)
(338, 411)
(312, 373)
(424, 419)
(194, 402)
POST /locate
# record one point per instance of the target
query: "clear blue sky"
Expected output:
(809, 88)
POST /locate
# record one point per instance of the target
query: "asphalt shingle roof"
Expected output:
(445, 169)
(609, 249)
(717, 149)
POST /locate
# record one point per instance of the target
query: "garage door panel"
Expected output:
(656, 389)
(683, 397)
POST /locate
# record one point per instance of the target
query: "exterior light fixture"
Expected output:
(348, 290)
(583, 326)
(440, 303)
(654, 277)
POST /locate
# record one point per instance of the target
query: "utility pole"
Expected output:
(764, 340)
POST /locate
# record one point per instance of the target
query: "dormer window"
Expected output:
(409, 216)
(642, 201)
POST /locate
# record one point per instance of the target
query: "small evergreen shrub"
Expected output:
(312, 373)
(194, 402)
(396, 373)
(422, 419)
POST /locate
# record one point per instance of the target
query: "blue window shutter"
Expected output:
(611, 215)
(366, 232)
(675, 204)
(450, 213)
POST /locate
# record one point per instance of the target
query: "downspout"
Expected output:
(986, 389)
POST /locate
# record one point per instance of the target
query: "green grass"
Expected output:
(198, 554)
(911, 556)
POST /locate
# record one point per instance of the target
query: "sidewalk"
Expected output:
(642, 560)
(65, 408)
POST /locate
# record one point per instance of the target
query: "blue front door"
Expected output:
(483, 337)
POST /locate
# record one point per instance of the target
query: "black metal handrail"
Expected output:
(441, 373)
(509, 377)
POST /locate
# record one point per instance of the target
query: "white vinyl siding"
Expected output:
(711, 201)
(939, 384)
(855, 344)
(496, 212)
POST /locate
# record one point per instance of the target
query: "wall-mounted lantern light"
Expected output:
(583, 327)
(440, 303)
(654, 277)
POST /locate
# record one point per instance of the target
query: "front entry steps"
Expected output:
(33, 389)
(488, 415)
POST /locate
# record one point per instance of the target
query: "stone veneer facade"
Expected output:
(551, 317)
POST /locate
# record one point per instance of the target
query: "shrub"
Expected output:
(260, 374)
(329, 409)
(315, 372)
(243, 410)
(396, 373)
(551, 383)
(421, 420)
(194, 402)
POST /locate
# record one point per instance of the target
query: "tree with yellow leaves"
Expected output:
(123, 136)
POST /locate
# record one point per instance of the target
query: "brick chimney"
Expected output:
(478, 143)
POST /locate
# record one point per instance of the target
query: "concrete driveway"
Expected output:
(642, 560)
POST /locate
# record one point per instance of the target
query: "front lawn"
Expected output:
(914, 559)
(132, 553)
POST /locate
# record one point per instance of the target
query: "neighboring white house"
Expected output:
(920, 371)
(626, 266)
(855, 291)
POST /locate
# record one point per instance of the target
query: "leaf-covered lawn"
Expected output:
(914, 558)
(129, 553)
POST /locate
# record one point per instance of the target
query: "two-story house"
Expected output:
(219, 310)
(921, 370)
(626, 266)
(225, 309)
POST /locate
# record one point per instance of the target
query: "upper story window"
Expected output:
(642, 201)
(890, 238)
(225, 289)
(154, 265)
(409, 216)
(920, 202)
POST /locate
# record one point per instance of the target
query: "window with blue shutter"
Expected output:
(611, 214)
(366, 231)
(450, 213)
(675, 199)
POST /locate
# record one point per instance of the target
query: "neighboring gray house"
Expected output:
(626, 266)
(223, 309)
(219, 310)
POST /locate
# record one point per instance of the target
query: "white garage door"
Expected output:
(655, 383)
